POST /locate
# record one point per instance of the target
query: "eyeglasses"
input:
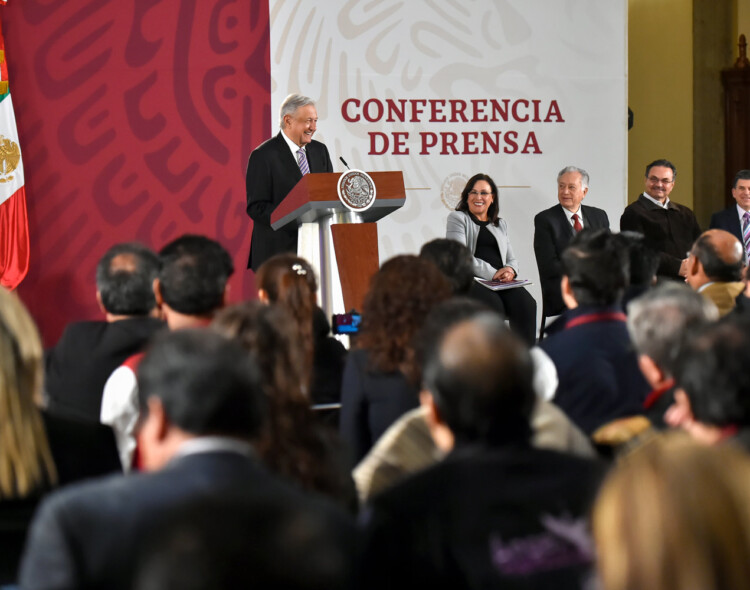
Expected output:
(473, 193)
(654, 180)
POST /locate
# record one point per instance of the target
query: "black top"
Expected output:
(487, 248)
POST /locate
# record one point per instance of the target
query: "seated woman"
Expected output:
(380, 378)
(38, 451)
(476, 224)
(290, 281)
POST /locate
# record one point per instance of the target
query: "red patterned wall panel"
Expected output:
(136, 119)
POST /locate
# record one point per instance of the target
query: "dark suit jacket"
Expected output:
(83, 359)
(670, 232)
(597, 369)
(552, 234)
(728, 220)
(272, 172)
(510, 517)
(89, 535)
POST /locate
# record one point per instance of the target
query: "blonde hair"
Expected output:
(675, 515)
(26, 462)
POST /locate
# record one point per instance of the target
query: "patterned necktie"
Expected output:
(746, 234)
(576, 223)
(302, 161)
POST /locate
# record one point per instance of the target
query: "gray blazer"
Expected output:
(462, 229)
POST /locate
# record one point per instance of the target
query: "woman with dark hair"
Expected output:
(380, 381)
(476, 224)
(290, 281)
(292, 444)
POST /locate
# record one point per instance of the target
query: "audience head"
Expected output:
(480, 379)
(288, 280)
(26, 464)
(454, 260)
(233, 541)
(716, 256)
(480, 183)
(595, 269)
(675, 515)
(713, 373)
(193, 383)
(124, 280)
(741, 189)
(572, 186)
(660, 177)
(401, 294)
(661, 321)
(643, 260)
(194, 274)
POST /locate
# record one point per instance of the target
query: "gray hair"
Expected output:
(661, 320)
(581, 171)
(291, 104)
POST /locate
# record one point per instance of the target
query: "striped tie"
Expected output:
(302, 161)
(746, 234)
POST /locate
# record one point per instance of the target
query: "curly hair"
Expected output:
(290, 281)
(493, 210)
(401, 294)
(290, 444)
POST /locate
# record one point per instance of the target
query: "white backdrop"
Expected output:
(562, 64)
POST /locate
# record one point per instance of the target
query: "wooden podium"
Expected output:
(341, 244)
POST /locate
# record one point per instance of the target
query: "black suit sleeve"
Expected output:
(714, 224)
(259, 187)
(547, 256)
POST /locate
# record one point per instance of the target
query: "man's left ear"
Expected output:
(99, 301)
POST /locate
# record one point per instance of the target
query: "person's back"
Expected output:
(495, 513)
(599, 378)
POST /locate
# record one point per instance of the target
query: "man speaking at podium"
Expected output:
(274, 169)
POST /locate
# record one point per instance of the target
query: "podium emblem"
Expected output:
(356, 190)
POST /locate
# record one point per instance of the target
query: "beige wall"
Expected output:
(660, 91)
(741, 23)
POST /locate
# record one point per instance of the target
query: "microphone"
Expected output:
(344, 162)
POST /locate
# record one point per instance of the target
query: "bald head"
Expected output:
(481, 379)
(720, 256)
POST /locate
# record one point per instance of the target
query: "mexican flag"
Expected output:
(14, 225)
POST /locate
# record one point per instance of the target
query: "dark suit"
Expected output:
(272, 172)
(670, 232)
(511, 517)
(89, 536)
(597, 369)
(552, 234)
(729, 220)
(83, 359)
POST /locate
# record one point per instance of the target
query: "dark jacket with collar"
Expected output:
(670, 232)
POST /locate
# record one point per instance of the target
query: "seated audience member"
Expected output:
(475, 224)
(291, 443)
(556, 226)
(714, 268)
(598, 373)
(458, 524)
(660, 322)
(736, 218)
(87, 352)
(674, 515)
(38, 451)
(380, 382)
(407, 446)
(456, 262)
(668, 227)
(235, 542)
(713, 400)
(190, 287)
(742, 302)
(203, 405)
(290, 281)
(642, 262)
